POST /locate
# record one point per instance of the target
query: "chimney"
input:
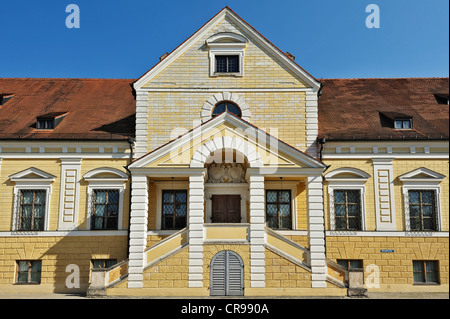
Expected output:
(162, 57)
(290, 56)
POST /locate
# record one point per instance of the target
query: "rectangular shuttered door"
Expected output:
(218, 274)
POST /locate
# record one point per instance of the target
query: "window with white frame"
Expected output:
(105, 198)
(421, 194)
(346, 191)
(31, 199)
(226, 54)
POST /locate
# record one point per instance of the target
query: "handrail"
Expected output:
(160, 251)
(289, 242)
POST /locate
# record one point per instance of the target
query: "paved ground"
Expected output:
(405, 295)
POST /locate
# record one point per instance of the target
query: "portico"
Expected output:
(222, 185)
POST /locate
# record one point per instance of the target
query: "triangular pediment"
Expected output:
(32, 174)
(224, 29)
(422, 174)
(227, 132)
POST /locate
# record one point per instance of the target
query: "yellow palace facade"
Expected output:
(225, 170)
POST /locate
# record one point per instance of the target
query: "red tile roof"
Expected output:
(99, 109)
(359, 109)
(96, 108)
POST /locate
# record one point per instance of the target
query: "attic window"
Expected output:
(442, 98)
(226, 54)
(5, 98)
(403, 124)
(50, 120)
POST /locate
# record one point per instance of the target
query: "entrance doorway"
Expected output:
(226, 209)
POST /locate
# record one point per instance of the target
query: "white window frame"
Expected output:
(415, 180)
(235, 45)
(43, 181)
(357, 182)
(102, 183)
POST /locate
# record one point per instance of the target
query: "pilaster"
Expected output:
(257, 232)
(195, 222)
(138, 230)
(69, 193)
(316, 231)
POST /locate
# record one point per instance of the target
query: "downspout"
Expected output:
(131, 144)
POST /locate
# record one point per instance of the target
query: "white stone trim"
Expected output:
(140, 147)
(211, 102)
(69, 193)
(316, 231)
(244, 147)
(109, 185)
(195, 230)
(312, 123)
(34, 184)
(415, 181)
(217, 47)
(257, 231)
(383, 177)
(138, 231)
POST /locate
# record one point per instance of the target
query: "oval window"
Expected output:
(226, 107)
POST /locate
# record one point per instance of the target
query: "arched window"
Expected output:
(226, 107)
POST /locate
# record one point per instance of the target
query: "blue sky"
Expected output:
(123, 39)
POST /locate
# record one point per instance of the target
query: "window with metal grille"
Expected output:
(227, 64)
(29, 271)
(105, 206)
(350, 263)
(347, 209)
(422, 209)
(278, 209)
(425, 272)
(103, 263)
(32, 209)
(226, 107)
(174, 209)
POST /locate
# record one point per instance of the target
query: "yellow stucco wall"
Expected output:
(400, 167)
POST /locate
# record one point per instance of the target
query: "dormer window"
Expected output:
(226, 54)
(397, 121)
(5, 98)
(50, 120)
(403, 124)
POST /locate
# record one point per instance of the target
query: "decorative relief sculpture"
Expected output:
(226, 173)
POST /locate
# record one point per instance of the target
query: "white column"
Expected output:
(138, 230)
(316, 231)
(196, 215)
(257, 232)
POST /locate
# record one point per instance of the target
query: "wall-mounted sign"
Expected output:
(387, 250)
